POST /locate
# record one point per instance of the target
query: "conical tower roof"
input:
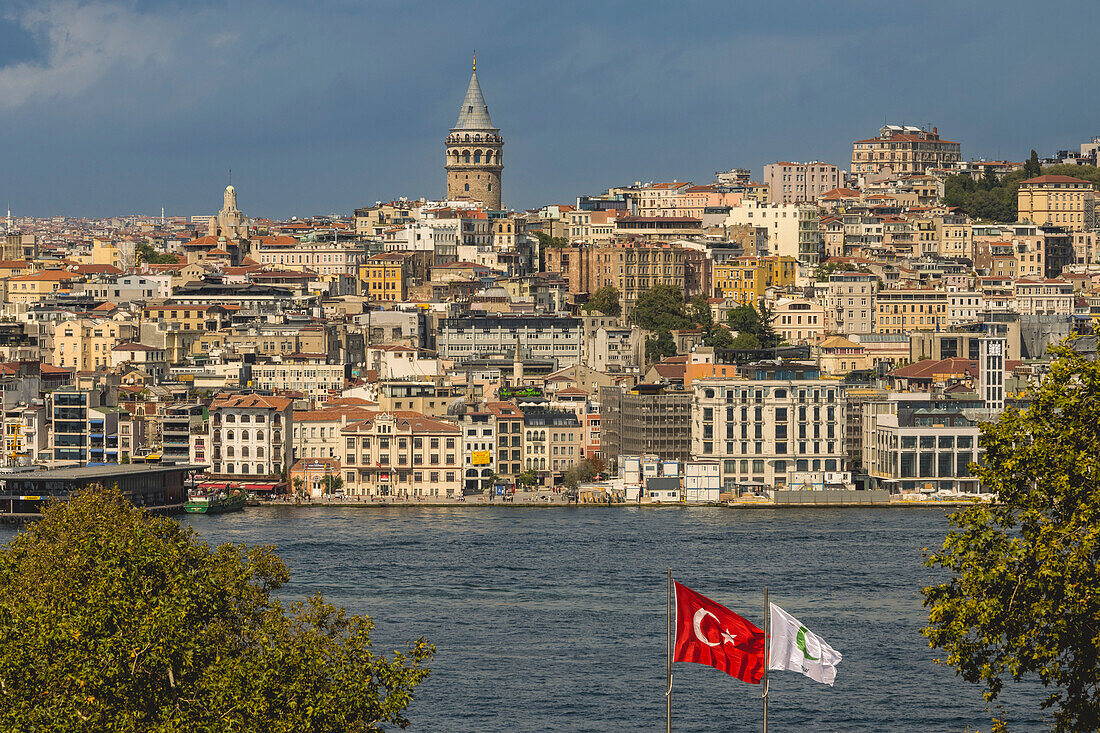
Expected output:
(474, 113)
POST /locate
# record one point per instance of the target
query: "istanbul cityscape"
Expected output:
(371, 366)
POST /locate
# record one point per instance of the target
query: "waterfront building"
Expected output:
(903, 150)
(402, 454)
(647, 419)
(553, 441)
(250, 434)
(774, 419)
(158, 488)
(914, 448)
(183, 433)
(474, 150)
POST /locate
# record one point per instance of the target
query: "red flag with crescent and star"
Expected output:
(709, 633)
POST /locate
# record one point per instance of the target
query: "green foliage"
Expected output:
(527, 478)
(605, 300)
(146, 253)
(745, 340)
(112, 619)
(749, 321)
(1023, 597)
(546, 241)
(1032, 168)
(993, 200)
(661, 308)
(582, 472)
(332, 483)
(659, 346)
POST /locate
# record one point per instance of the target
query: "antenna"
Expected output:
(230, 176)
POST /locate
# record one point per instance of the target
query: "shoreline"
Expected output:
(481, 504)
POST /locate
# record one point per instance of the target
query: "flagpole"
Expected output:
(668, 657)
(767, 650)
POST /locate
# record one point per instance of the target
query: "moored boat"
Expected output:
(218, 502)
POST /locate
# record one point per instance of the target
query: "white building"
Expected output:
(792, 228)
(250, 434)
(964, 306)
(758, 429)
(798, 320)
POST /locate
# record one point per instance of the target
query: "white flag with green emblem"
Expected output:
(794, 648)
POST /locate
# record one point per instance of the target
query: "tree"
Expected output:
(145, 253)
(546, 241)
(1032, 168)
(332, 483)
(299, 486)
(527, 478)
(661, 308)
(605, 300)
(700, 312)
(114, 619)
(745, 340)
(659, 346)
(769, 339)
(1023, 597)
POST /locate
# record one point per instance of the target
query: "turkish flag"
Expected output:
(709, 633)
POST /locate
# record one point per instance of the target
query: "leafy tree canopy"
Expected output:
(546, 241)
(748, 321)
(993, 200)
(1023, 596)
(527, 478)
(605, 300)
(146, 253)
(112, 619)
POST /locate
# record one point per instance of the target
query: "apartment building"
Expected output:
(773, 420)
(559, 338)
(313, 377)
(553, 441)
(331, 257)
(1044, 297)
(798, 183)
(630, 268)
(86, 344)
(386, 276)
(1062, 201)
(745, 279)
(402, 453)
(792, 228)
(250, 434)
(903, 310)
(798, 320)
(903, 150)
(184, 434)
(849, 302)
(36, 286)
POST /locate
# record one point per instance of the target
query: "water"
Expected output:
(554, 619)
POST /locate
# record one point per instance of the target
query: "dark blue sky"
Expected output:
(124, 106)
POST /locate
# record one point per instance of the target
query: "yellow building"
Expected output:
(120, 254)
(385, 276)
(1061, 201)
(191, 317)
(35, 286)
(744, 279)
(85, 344)
(901, 311)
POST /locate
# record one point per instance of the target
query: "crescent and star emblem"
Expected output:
(725, 638)
(800, 642)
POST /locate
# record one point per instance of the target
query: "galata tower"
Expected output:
(474, 150)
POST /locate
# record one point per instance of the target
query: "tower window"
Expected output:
(467, 186)
(490, 187)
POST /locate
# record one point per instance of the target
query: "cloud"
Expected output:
(83, 43)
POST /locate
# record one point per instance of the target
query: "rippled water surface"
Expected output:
(554, 619)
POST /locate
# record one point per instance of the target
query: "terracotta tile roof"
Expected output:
(249, 401)
(1055, 179)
